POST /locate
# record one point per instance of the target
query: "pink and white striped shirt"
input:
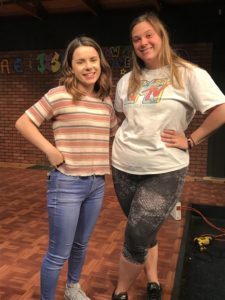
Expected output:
(82, 130)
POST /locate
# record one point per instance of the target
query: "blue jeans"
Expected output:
(74, 204)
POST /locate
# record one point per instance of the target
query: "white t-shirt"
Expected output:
(137, 147)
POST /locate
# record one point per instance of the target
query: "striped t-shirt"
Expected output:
(82, 130)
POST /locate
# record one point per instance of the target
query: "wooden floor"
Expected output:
(23, 238)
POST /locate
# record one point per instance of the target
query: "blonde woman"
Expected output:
(156, 101)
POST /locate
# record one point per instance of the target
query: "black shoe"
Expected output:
(120, 296)
(154, 291)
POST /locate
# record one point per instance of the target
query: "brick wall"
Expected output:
(26, 76)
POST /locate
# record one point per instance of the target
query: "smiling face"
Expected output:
(86, 67)
(147, 44)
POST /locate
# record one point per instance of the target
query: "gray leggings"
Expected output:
(146, 200)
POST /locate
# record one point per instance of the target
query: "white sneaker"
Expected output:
(73, 291)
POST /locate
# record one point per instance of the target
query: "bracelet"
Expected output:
(190, 142)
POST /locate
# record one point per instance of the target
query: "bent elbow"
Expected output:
(22, 122)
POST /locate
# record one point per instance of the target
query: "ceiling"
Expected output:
(42, 9)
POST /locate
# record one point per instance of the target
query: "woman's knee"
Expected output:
(55, 260)
(138, 253)
(80, 248)
(138, 240)
(135, 255)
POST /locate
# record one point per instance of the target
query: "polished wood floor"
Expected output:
(23, 238)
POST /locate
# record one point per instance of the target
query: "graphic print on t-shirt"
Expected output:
(150, 92)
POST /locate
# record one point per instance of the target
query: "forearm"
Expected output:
(31, 133)
(213, 121)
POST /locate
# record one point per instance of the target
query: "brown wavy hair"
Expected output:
(167, 55)
(103, 85)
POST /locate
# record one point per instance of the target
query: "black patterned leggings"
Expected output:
(146, 200)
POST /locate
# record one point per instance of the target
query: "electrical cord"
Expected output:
(218, 237)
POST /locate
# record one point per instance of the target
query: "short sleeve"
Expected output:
(40, 111)
(203, 91)
(113, 118)
(121, 92)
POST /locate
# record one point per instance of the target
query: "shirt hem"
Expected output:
(83, 174)
(150, 172)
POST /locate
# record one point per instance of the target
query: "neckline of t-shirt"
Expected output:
(90, 98)
(155, 71)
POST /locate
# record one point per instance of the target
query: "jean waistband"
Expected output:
(97, 176)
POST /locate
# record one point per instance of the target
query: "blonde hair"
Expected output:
(103, 85)
(167, 55)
